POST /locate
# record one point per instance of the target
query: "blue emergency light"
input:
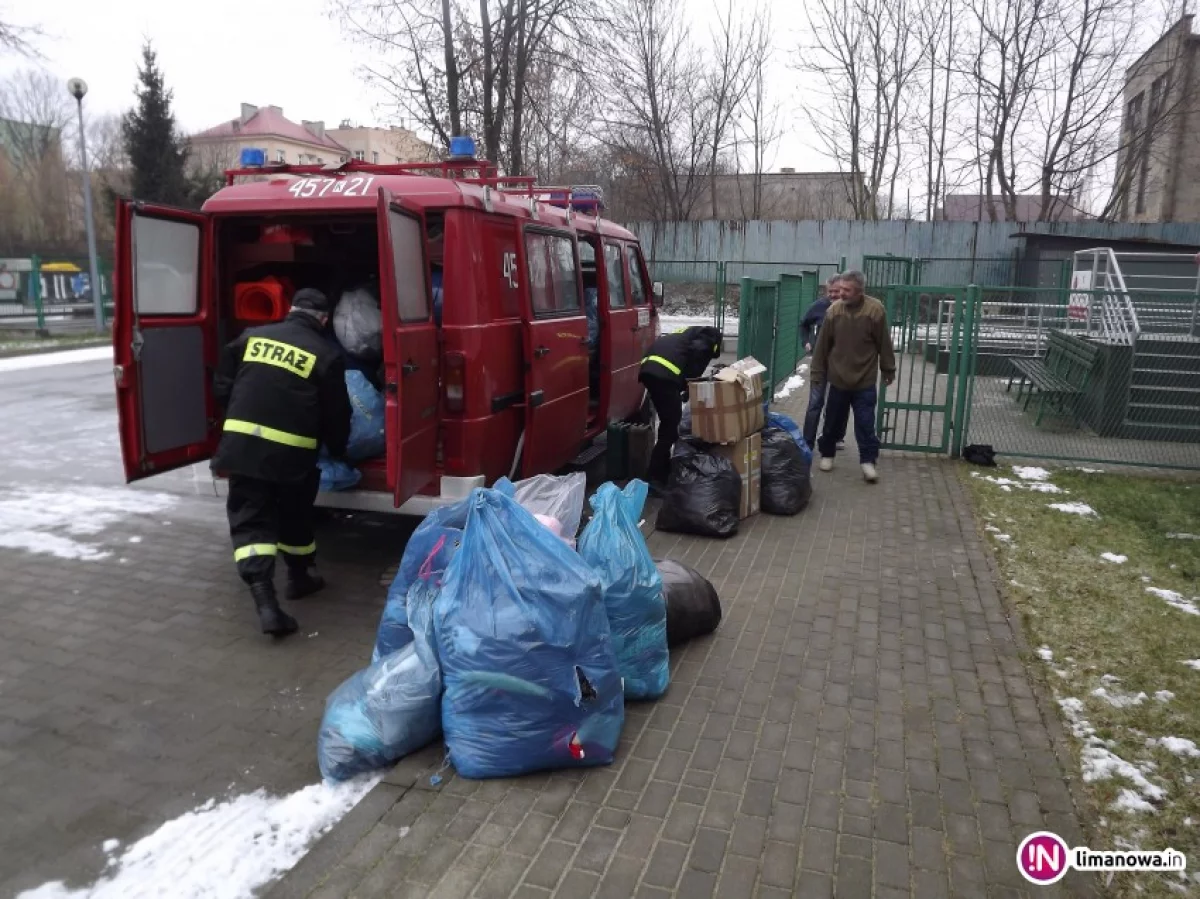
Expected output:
(462, 147)
(253, 158)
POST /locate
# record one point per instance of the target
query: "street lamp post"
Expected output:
(77, 88)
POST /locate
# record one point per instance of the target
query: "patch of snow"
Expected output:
(111, 846)
(1164, 695)
(1114, 558)
(1040, 487)
(44, 360)
(1145, 578)
(1194, 664)
(670, 323)
(1187, 821)
(1074, 508)
(795, 382)
(1183, 536)
(1097, 761)
(1118, 699)
(1176, 745)
(1170, 597)
(1031, 473)
(1091, 470)
(222, 851)
(1129, 801)
(1045, 653)
(135, 539)
(46, 520)
(1003, 538)
(1007, 484)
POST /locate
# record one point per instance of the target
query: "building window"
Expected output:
(375, 156)
(281, 156)
(1138, 142)
(320, 160)
(359, 155)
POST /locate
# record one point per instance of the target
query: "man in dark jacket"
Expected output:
(673, 360)
(283, 389)
(810, 327)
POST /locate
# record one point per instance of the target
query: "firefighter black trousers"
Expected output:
(668, 403)
(268, 519)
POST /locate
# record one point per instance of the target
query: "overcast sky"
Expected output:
(218, 54)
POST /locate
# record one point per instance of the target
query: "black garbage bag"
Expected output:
(703, 495)
(786, 474)
(693, 608)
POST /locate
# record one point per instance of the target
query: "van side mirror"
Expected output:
(657, 295)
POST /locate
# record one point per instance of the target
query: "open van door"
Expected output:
(410, 349)
(165, 339)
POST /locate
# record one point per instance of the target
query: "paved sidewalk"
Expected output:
(861, 725)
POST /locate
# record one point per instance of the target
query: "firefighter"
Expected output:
(283, 389)
(672, 361)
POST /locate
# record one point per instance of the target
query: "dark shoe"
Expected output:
(303, 582)
(274, 620)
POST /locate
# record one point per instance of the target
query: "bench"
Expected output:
(1059, 378)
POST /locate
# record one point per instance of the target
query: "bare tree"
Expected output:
(34, 110)
(758, 130)
(866, 54)
(727, 81)
(17, 40)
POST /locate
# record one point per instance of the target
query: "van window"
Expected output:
(166, 266)
(640, 293)
(412, 292)
(553, 286)
(616, 276)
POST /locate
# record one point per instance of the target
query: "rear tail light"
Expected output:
(454, 380)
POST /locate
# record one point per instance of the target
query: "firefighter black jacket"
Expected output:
(283, 391)
(682, 356)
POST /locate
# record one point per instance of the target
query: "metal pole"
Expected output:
(93, 262)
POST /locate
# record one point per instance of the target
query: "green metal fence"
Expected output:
(757, 324)
(51, 293)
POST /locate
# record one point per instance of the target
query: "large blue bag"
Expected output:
(531, 681)
(386, 711)
(784, 423)
(336, 474)
(633, 588)
(368, 438)
(431, 546)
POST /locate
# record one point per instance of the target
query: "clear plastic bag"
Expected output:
(633, 591)
(386, 711)
(556, 496)
(358, 323)
(531, 680)
(368, 438)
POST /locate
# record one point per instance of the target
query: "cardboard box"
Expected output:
(746, 456)
(729, 406)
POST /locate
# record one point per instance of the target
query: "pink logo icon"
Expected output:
(1042, 857)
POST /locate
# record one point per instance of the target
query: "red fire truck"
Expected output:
(491, 381)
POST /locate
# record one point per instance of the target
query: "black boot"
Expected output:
(302, 582)
(273, 619)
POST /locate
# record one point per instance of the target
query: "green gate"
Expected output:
(924, 410)
(884, 271)
(759, 306)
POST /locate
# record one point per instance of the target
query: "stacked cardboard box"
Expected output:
(727, 410)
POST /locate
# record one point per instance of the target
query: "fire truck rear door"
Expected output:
(165, 338)
(410, 348)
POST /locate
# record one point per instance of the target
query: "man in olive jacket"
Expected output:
(853, 349)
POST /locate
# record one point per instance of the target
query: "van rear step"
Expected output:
(589, 455)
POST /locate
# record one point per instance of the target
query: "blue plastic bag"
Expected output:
(531, 681)
(784, 423)
(367, 436)
(633, 589)
(386, 711)
(432, 545)
(336, 474)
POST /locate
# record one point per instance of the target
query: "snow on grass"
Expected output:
(1097, 761)
(1045, 654)
(1183, 536)
(1031, 473)
(1119, 699)
(111, 846)
(1164, 695)
(1194, 664)
(1129, 801)
(1082, 509)
(1007, 484)
(1171, 598)
(795, 382)
(1180, 746)
(47, 520)
(221, 851)
(43, 360)
(1114, 558)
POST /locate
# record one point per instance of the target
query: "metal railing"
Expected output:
(1116, 319)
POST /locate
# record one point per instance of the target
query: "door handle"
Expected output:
(410, 368)
(541, 351)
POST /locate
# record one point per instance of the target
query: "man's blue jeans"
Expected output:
(812, 418)
(838, 405)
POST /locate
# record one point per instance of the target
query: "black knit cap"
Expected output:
(311, 299)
